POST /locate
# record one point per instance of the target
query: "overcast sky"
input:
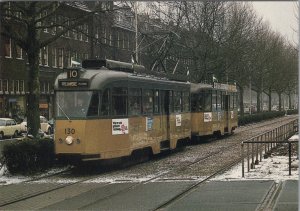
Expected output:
(282, 16)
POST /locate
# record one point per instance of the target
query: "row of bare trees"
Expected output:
(229, 40)
(225, 39)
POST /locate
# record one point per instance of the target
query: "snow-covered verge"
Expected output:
(273, 168)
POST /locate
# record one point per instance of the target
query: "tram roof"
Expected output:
(101, 77)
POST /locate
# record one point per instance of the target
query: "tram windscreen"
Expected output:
(70, 104)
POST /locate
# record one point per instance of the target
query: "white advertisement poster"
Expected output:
(119, 126)
(231, 114)
(178, 120)
(149, 123)
(208, 117)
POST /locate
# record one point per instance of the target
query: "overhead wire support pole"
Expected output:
(136, 32)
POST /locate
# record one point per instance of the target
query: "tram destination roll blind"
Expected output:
(73, 83)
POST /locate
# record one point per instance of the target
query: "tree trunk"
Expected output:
(279, 98)
(258, 104)
(33, 112)
(270, 100)
(290, 101)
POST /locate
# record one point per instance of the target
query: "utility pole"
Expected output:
(136, 32)
(250, 85)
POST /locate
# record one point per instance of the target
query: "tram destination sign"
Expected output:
(73, 83)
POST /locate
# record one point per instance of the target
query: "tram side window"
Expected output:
(231, 101)
(235, 105)
(186, 101)
(162, 101)
(156, 102)
(219, 102)
(223, 96)
(148, 102)
(177, 102)
(214, 100)
(171, 101)
(94, 105)
(105, 103)
(207, 101)
(134, 100)
(119, 101)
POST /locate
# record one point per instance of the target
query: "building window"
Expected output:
(19, 52)
(12, 86)
(118, 39)
(40, 57)
(60, 56)
(5, 85)
(16, 84)
(21, 86)
(7, 47)
(104, 35)
(45, 56)
(54, 62)
(68, 24)
(110, 39)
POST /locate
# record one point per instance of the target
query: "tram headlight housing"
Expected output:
(69, 140)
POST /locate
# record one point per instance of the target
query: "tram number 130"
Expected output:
(69, 131)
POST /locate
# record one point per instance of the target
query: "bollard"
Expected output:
(257, 144)
(261, 148)
(290, 159)
(243, 170)
(252, 156)
(248, 160)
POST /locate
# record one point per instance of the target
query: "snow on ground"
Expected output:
(273, 168)
(6, 178)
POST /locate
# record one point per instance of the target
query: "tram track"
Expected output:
(60, 186)
(162, 176)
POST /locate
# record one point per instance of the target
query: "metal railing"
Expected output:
(265, 143)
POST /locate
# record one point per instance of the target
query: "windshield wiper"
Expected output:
(63, 111)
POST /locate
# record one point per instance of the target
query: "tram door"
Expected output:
(226, 110)
(166, 106)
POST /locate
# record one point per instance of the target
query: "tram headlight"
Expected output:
(69, 140)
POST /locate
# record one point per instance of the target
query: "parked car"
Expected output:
(9, 127)
(45, 126)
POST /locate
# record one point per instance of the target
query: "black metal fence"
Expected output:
(264, 143)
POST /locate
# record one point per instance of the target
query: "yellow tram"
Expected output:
(214, 109)
(106, 110)
(109, 109)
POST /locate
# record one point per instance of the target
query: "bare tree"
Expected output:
(24, 23)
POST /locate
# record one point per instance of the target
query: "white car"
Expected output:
(45, 127)
(9, 127)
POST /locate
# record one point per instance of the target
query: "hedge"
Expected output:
(29, 156)
(260, 117)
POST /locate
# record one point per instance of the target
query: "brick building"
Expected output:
(107, 34)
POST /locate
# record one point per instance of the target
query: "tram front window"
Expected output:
(72, 104)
